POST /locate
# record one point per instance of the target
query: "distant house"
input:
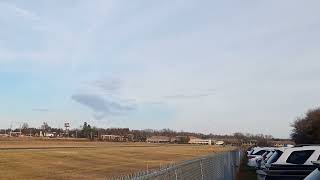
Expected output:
(174, 140)
(16, 134)
(195, 140)
(250, 143)
(158, 139)
(115, 138)
(4, 135)
(282, 143)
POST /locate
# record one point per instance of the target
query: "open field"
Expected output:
(52, 159)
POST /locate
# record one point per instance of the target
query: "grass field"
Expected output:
(52, 159)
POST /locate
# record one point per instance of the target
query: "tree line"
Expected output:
(92, 132)
(306, 129)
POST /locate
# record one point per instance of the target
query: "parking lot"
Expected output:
(282, 163)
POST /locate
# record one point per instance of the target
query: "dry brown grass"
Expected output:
(88, 160)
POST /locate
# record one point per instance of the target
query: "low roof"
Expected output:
(157, 138)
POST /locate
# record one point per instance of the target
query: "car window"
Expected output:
(269, 154)
(319, 158)
(259, 152)
(299, 157)
(264, 154)
(314, 175)
(275, 156)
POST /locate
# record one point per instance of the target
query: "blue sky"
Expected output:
(203, 66)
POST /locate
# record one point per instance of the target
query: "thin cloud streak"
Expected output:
(209, 92)
(107, 85)
(40, 109)
(101, 106)
(184, 96)
(21, 12)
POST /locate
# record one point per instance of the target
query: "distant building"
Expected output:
(282, 143)
(219, 143)
(159, 139)
(4, 135)
(194, 140)
(182, 139)
(249, 143)
(115, 138)
(174, 140)
(16, 134)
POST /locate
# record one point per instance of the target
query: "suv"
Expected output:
(293, 163)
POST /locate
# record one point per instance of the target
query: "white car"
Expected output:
(274, 157)
(293, 164)
(261, 161)
(299, 156)
(256, 154)
(258, 151)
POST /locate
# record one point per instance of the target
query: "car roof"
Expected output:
(282, 148)
(283, 158)
(302, 145)
(262, 148)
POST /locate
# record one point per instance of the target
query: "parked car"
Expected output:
(315, 175)
(256, 154)
(250, 150)
(261, 161)
(293, 164)
(273, 158)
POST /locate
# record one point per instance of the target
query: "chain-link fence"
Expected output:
(220, 166)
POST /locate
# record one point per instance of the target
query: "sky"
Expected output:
(201, 66)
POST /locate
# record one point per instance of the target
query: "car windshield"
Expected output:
(314, 175)
(259, 152)
(275, 156)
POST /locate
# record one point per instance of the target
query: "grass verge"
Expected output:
(246, 172)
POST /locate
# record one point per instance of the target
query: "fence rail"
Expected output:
(220, 166)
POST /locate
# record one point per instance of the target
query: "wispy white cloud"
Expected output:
(186, 96)
(20, 12)
(201, 94)
(26, 14)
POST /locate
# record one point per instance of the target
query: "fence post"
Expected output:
(147, 167)
(201, 169)
(176, 174)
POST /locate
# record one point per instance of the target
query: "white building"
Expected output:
(194, 140)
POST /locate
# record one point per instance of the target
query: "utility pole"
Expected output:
(10, 128)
